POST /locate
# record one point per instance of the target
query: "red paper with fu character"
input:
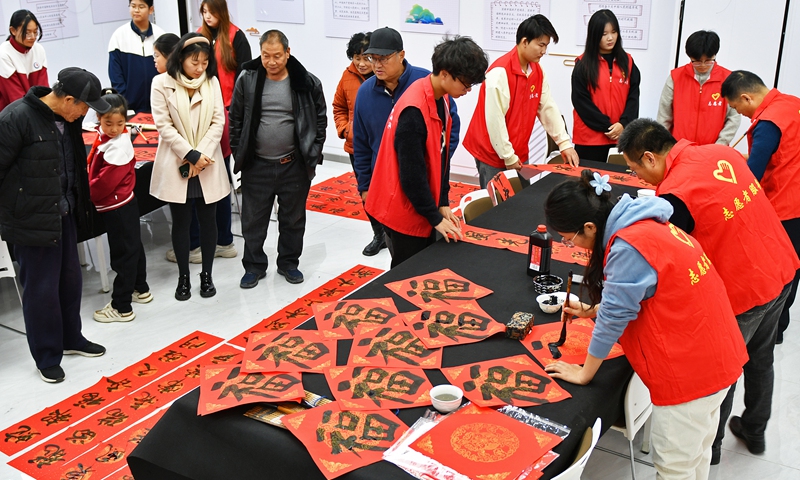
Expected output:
(376, 388)
(515, 381)
(342, 319)
(483, 443)
(289, 351)
(457, 324)
(384, 346)
(579, 335)
(226, 386)
(342, 441)
(444, 287)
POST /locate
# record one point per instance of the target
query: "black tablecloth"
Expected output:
(229, 445)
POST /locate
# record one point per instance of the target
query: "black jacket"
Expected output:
(30, 184)
(308, 104)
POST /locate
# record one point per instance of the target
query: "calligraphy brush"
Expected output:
(563, 337)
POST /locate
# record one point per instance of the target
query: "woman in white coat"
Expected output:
(189, 113)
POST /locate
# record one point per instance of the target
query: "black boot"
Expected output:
(184, 290)
(375, 246)
(207, 285)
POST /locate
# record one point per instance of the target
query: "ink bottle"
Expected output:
(540, 248)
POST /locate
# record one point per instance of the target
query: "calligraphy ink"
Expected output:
(540, 248)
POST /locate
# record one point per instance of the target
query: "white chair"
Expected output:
(7, 270)
(588, 443)
(638, 408)
(474, 204)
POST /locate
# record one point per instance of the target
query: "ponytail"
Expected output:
(568, 207)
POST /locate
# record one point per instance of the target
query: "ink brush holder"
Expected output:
(547, 284)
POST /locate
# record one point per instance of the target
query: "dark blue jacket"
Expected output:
(372, 109)
(130, 64)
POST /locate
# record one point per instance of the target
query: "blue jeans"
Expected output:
(759, 327)
(261, 183)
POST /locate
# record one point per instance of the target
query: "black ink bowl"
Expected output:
(547, 284)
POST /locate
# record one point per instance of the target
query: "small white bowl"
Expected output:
(547, 308)
(446, 406)
(645, 192)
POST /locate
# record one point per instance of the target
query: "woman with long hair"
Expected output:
(231, 48)
(23, 63)
(603, 107)
(653, 289)
(189, 114)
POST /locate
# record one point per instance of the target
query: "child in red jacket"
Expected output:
(111, 181)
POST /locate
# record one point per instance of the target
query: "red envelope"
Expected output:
(514, 380)
(376, 388)
(227, 386)
(383, 346)
(342, 441)
(289, 351)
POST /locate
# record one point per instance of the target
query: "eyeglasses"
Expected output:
(467, 86)
(706, 63)
(138, 6)
(569, 243)
(33, 34)
(381, 60)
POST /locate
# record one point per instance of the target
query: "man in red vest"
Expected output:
(718, 201)
(408, 193)
(514, 94)
(691, 105)
(774, 141)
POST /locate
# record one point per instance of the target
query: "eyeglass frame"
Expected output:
(707, 63)
(371, 58)
(466, 85)
(569, 243)
(138, 7)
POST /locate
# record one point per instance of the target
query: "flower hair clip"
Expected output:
(600, 183)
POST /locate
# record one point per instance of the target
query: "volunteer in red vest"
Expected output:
(717, 200)
(514, 94)
(774, 143)
(408, 193)
(602, 108)
(23, 63)
(673, 319)
(692, 106)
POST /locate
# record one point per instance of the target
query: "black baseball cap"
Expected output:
(84, 86)
(384, 41)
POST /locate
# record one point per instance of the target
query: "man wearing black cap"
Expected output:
(44, 201)
(374, 102)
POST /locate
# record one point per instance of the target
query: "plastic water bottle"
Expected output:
(540, 248)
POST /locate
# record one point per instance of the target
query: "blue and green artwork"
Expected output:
(419, 14)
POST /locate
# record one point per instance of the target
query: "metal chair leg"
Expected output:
(633, 463)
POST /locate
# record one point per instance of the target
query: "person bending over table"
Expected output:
(408, 193)
(673, 320)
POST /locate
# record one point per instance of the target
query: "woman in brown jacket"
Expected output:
(345, 99)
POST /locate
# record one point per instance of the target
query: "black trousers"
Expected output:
(181, 220)
(792, 228)
(403, 247)
(262, 182)
(51, 296)
(597, 153)
(377, 228)
(127, 254)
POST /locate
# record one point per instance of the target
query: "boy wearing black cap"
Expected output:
(44, 201)
(374, 102)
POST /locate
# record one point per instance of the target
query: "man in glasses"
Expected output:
(514, 94)
(374, 102)
(719, 202)
(691, 105)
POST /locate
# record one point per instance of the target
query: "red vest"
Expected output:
(386, 201)
(525, 94)
(227, 78)
(734, 221)
(609, 97)
(698, 112)
(781, 180)
(685, 343)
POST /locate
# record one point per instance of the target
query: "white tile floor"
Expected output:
(332, 245)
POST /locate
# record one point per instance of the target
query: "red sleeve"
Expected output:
(12, 88)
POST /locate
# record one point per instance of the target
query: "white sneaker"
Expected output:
(109, 314)
(195, 256)
(145, 297)
(226, 251)
(171, 256)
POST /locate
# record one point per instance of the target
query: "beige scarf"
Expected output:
(202, 86)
